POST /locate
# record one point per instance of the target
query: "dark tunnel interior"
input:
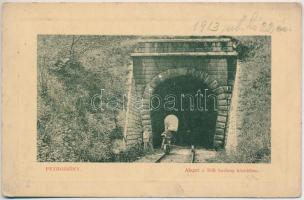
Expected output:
(193, 104)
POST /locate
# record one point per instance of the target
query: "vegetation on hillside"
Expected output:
(73, 69)
(254, 103)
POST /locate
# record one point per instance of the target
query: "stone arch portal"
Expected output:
(212, 61)
(221, 98)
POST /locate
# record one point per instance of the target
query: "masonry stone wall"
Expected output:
(215, 66)
(146, 68)
(134, 126)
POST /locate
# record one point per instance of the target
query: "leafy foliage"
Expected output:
(254, 106)
(71, 70)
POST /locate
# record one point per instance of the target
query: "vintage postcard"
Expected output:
(151, 100)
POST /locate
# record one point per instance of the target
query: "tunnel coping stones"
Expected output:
(202, 59)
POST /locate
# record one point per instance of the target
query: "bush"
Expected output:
(129, 155)
(254, 103)
(72, 69)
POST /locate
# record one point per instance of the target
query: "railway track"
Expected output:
(178, 155)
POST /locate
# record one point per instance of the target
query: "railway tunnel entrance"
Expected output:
(193, 103)
(175, 71)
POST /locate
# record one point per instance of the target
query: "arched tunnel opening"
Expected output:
(193, 103)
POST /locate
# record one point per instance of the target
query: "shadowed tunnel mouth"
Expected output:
(193, 103)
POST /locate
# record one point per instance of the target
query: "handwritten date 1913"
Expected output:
(205, 25)
(253, 22)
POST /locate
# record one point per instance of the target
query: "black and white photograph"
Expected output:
(153, 99)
